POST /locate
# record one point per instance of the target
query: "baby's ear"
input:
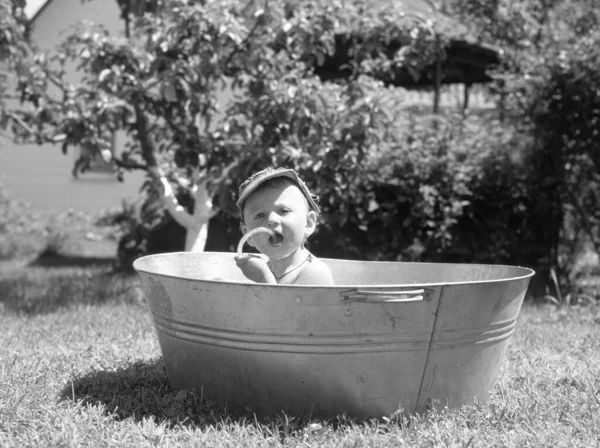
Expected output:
(311, 222)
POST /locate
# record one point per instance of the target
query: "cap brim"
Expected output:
(290, 174)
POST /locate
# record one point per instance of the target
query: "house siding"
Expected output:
(41, 176)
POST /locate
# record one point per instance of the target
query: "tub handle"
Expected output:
(386, 295)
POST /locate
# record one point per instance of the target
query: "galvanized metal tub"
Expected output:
(388, 336)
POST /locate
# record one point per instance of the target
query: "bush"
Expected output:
(17, 216)
(437, 188)
(146, 229)
(566, 115)
(449, 190)
(21, 229)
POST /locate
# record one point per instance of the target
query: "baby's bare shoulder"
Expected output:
(315, 273)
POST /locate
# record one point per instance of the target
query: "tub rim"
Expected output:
(528, 274)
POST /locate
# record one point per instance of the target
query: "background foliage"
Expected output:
(518, 185)
(547, 86)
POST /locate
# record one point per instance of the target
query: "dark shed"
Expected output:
(466, 61)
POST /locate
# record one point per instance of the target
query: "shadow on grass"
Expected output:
(49, 258)
(41, 290)
(142, 391)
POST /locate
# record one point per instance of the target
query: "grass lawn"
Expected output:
(80, 366)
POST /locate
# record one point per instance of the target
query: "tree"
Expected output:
(14, 49)
(13, 32)
(160, 87)
(547, 87)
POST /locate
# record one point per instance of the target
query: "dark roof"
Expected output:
(464, 63)
(467, 60)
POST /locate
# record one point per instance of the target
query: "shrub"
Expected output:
(448, 190)
(435, 189)
(21, 228)
(566, 115)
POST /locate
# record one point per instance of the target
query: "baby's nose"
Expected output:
(273, 220)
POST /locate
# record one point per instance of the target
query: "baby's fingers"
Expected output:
(241, 259)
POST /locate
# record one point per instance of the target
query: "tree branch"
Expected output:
(170, 122)
(24, 125)
(146, 143)
(55, 81)
(129, 165)
(244, 43)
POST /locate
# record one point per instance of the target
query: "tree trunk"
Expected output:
(147, 145)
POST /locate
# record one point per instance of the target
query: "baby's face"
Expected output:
(286, 212)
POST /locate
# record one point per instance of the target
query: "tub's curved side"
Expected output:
(471, 334)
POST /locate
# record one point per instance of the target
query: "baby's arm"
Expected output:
(255, 268)
(315, 273)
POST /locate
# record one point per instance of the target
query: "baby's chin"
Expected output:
(278, 251)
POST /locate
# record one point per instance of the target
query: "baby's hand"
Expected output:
(255, 268)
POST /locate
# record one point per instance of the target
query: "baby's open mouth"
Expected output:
(276, 239)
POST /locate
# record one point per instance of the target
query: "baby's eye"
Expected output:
(259, 216)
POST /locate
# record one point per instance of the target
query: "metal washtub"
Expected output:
(389, 336)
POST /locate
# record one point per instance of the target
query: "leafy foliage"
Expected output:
(161, 88)
(13, 48)
(567, 120)
(450, 190)
(547, 88)
(13, 43)
(392, 185)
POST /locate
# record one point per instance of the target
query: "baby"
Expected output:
(280, 201)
